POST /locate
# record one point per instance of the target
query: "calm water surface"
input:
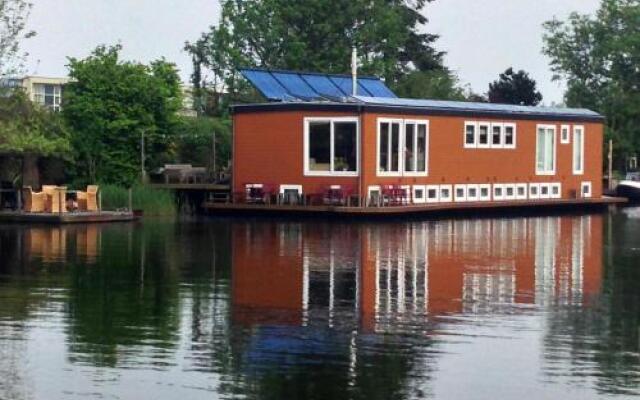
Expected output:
(527, 308)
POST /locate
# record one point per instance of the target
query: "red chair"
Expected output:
(337, 195)
(395, 195)
(258, 193)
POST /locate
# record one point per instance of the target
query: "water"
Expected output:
(528, 308)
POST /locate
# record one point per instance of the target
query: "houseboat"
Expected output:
(329, 143)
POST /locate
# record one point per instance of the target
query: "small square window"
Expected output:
(565, 134)
(432, 194)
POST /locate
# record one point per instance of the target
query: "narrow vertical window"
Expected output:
(410, 147)
(421, 150)
(545, 150)
(389, 145)
(470, 134)
(509, 136)
(496, 135)
(578, 150)
(483, 134)
(345, 147)
(320, 146)
(565, 135)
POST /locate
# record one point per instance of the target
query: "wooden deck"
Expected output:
(415, 209)
(66, 218)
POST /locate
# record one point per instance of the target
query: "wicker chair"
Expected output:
(88, 201)
(55, 201)
(33, 201)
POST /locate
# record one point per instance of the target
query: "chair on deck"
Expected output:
(258, 193)
(394, 195)
(33, 201)
(88, 201)
(55, 201)
(337, 195)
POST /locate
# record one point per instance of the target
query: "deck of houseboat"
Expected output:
(66, 218)
(412, 209)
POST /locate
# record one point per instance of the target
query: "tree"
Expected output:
(436, 84)
(317, 35)
(514, 88)
(13, 19)
(29, 132)
(110, 104)
(598, 58)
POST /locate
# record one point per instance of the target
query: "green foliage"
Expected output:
(27, 129)
(316, 35)
(153, 202)
(598, 57)
(436, 84)
(110, 104)
(13, 21)
(514, 88)
(194, 142)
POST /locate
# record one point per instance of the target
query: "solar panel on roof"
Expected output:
(376, 88)
(323, 85)
(288, 86)
(295, 85)
(266, 84)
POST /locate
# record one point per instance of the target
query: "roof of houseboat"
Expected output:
(300, 91)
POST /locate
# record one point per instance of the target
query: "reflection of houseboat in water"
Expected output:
(387, 273)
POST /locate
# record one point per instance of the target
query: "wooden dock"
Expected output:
(414, 209)
(66, 218)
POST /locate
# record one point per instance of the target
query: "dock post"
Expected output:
(130, 200)
(610, 183)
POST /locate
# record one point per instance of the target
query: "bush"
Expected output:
(152, 201)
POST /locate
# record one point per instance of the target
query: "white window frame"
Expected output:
(555, 186)
(488, 126)
(504, 135)
(416, 123)
(501, 196)
(460, 199)
(331, 121)
(542, 187)
(565, 129)
(401, 146)
(512, 187)
(475, 135)
(522, 186)
(488, 196)
(589, 193)
(437, 190)
(501, 144)
(555, 150)
(370, 190)
(446, 199)
(578, 128)
(535, 195)
(416, 199)
(477, 190)
(291, 187)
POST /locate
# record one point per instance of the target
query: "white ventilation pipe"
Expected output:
(354, 71)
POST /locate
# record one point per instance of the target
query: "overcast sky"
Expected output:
(481, 37)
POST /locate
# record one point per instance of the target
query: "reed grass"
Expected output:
(153, 202)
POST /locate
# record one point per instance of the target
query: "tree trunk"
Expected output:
(30, 172)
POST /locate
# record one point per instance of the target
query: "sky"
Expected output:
(481, 37)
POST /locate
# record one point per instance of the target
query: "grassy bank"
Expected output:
(152, 202)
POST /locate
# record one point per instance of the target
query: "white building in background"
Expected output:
(43, 90)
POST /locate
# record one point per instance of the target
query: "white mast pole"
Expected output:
(354, 71)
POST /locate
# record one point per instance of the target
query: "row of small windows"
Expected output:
(488, 135)
(486, 192)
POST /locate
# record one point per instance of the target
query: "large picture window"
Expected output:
(578, 150)
(546, 150)
(331, 146)
(402, 147)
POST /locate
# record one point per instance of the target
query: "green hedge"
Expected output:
(152, 201)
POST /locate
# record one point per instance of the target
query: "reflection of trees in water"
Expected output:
(600, 343)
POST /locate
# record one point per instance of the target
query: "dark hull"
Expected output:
(630, 192)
